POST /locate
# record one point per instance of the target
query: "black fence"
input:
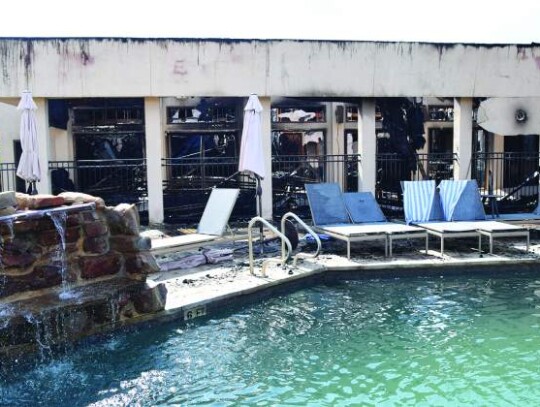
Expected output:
(290, 173)
(511, 177)
(188, 182)
(8, 178)
(514, 178)
(392, 169)
(116, 181)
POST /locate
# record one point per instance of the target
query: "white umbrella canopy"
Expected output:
(510, 116)
(29, 167)
(251, 148)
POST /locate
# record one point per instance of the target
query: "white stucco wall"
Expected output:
(154, 67)
(9, 131)
(61, 145)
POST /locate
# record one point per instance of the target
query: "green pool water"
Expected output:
(411, 341)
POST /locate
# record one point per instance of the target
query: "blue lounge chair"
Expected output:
(364, 209)
(460, 215)
(531, 220)
(421, 202)
(331, 216)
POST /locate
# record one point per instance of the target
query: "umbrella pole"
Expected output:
(32, 190)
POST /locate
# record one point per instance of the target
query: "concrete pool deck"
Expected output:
(202, 290)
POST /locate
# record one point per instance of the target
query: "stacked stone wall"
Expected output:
(104, 265)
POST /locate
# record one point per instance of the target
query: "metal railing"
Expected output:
(300, 255)
(514, 178)
(282, 260)
(116, 181)
(201, 173)
(188, 181)
(392, 169)
(290, 173)
(8, 177)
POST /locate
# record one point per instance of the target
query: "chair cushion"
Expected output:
(326, 204)
(363, 207)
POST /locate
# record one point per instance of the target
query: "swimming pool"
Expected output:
(409, 341)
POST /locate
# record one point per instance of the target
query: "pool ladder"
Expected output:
(300, 255)
(286, 247)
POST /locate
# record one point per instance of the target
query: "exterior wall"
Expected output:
(9, 131)
(367, 147)
(154, 152)
(180, 67)
(62, 145)
(463, 137)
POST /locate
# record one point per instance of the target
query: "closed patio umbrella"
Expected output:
(29, 167)
(251, 148)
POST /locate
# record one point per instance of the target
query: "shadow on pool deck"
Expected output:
(197, 291)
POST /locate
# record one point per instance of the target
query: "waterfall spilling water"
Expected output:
(43, 335)
(52, 329)
(6, 312)
(63, 277)
(59, 219)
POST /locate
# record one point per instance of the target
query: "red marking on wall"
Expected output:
(179, 67)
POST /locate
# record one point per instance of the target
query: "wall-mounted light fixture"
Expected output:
(521, 116)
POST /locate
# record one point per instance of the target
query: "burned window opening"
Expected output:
(108, 148)
(203, 145)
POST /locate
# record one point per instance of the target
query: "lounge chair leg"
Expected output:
(442, 246)
(349, 250)
(390, 246)
(490, 244)
(480, 244)
(427, 244)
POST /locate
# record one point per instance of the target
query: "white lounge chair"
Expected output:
(212, 226)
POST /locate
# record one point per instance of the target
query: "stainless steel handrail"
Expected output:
(283, 260)
(309, 230)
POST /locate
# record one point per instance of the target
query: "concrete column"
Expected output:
(463, 137)
(154, 152)
(367, 146)
(44, 142)
(335, 144)
(267, 192)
